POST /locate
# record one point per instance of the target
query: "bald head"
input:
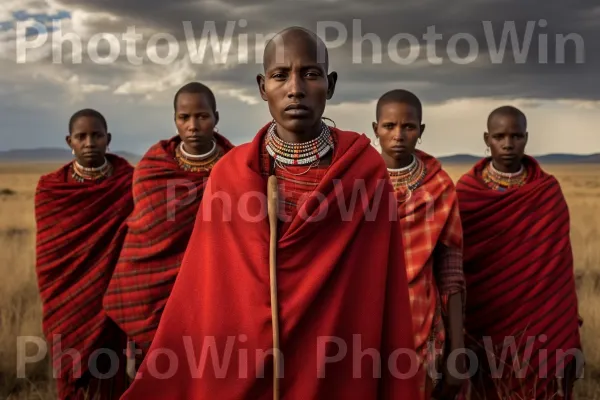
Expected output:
(296, 83)
(507, 111)
(295, 39)
(399, 96)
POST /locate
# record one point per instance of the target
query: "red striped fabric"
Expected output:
(80, 229)
(166, 202)
(520, 278)
(428, 219)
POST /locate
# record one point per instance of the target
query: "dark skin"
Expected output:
(89, 139)
(506, 138)
(195, 121)
(296, 85)
(398, 131)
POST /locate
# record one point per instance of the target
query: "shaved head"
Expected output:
(296, 83)
(506, 138)
(296, 37)
(507, 111)
(399, 96)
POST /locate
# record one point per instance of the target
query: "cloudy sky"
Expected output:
(462, 60)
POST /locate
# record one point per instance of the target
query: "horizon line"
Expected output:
(441, 156)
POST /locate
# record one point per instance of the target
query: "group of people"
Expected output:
(390, 282)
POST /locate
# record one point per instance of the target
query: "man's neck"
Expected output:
(299, 137)
(92, 163)
(203, 149)
(507, 169)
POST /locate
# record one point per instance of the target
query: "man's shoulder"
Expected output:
(54, 176)
(233, 155)
(348, 134)
(230, 162)
(353, 138)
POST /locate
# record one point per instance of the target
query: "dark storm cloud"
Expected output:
(29, 101)
(362, 78)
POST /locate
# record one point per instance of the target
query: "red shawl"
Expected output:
(430, 216)
(339, 280)
(166, 201)
(80, 230)
(519, 272)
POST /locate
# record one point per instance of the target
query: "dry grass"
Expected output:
(20, 311)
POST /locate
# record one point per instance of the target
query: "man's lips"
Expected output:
(297, 109)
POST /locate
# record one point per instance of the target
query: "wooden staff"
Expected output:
(272, 209)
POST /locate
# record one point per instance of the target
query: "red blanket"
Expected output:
(80, 230)
(520, 280)
(341, 282)
(166, 203)
(428, 218)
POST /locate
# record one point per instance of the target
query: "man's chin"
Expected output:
(91, 160)
(400, 155)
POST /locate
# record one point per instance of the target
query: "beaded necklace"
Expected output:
(503, 181)
(310, 152)
(81, 174)
(409, 177)
(197, 163)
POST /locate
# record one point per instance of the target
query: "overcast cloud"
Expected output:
(557, 89)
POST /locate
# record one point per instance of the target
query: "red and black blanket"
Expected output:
(518, 264)
(80, 230)
(166, 201)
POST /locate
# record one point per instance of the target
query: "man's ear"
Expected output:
(216, 117)
(108, 138)
(260, 80)
(422, 130)
(68, 140)
(331, 82)
(486, 138)
(375, 129)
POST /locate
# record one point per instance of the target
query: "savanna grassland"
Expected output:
(20, 310)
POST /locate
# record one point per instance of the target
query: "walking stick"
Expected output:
(272, 208)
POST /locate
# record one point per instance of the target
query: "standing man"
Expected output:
(344, 318)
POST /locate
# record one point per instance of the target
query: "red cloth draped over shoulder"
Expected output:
(80, 230)
(166, 203)
(518, 264)
(430, 216)
(341, 286)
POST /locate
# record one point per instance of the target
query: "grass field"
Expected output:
(20, 311)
